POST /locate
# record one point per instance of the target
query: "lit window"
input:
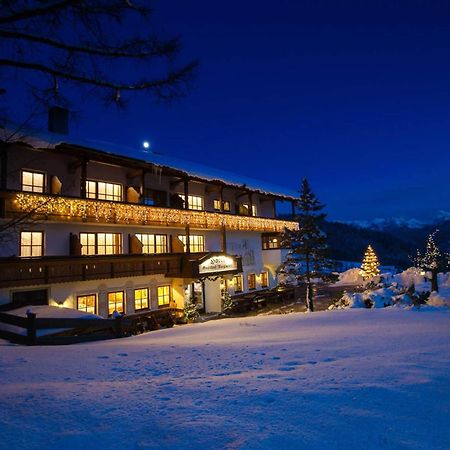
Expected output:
(31, 243)
(163, 295)
(194, 201)
(244, 209)
(115, 302)
(87, 303)
(251, 281)
(32, 181)
(153, 243)
(101, 190)
(270, 242)
(196, 242)
(101, 243)
(225, 204)
(140, 299)
(264, 279)
(254, 210)
(237, 282)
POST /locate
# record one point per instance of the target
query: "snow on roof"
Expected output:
(52, 140)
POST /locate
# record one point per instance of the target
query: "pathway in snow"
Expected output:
(333, 380)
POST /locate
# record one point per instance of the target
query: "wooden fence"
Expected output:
(70, 331)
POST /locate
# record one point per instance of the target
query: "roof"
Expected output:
(49, 140)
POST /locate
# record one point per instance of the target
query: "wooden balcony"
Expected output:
(58, 208)
(16, 272)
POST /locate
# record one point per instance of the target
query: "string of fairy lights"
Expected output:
(111, 212)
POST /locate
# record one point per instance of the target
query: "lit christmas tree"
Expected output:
(432, 261)
(370, 264)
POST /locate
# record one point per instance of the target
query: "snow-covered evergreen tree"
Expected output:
(307, 245)
(370, 264)
(432, 260)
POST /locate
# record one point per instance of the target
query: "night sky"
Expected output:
(353, 95)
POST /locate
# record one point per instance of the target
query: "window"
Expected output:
(31, 243)
(154, 197)
(244, 209)
(140, 299)
(251, 281)
(163, 295)
(153, 243)
(270, 242)
(103, 191)
(196, 242)
(225, 204)
(115, 302)
(264, 279)
(87, 303)
(237, 282)
(101, 243)
(194, 201)
(33, 181)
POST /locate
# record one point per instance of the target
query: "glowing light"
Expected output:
(87, 210)
(146, 145)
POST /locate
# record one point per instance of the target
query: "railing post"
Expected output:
(31, 328)
(118, 326)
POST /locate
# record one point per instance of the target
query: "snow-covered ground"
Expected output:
(346, 379)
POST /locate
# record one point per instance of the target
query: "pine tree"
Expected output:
(307, 245)
(191, 311)
(370, 264)
(227, 302)
(432, 260)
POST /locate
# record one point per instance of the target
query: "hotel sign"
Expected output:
(218, 263)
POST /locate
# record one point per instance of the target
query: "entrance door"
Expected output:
(25, 298)
(195, 292)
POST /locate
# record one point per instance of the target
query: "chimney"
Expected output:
(58, 120)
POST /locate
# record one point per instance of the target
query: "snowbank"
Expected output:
(373, 379)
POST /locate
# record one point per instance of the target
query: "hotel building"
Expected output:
(101, 228)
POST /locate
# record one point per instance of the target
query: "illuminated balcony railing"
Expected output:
(54, 207)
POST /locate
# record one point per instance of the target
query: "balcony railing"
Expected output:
(55, 207)
(15, 272)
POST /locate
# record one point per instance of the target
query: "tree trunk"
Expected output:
(309, 291)
(434, 280)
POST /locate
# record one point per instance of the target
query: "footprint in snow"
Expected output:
(103, 357)
(286, 369)
(122, 354)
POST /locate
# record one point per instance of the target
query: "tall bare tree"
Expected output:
(90, 43)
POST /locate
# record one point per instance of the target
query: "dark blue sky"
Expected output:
(353, 95)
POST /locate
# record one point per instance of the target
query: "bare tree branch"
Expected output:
(150, 47)
(173, 77)
(34, 12)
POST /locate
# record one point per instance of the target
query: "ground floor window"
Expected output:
(163, 295)
(115, 302)
(31, 243)
(264, 279)
(87, 303)
(251, 281)
(237, 283)
(140, 299)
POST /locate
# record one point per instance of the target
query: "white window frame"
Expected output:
(153, 243)
(99, 243)
(104, 190)
(34, 247)
(196, 242)
(35, 186)
(195, 202)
